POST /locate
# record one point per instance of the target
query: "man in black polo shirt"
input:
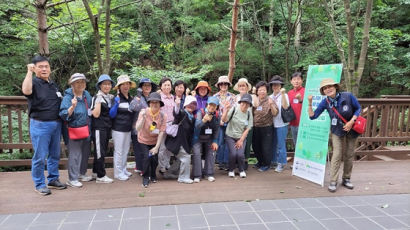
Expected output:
(45, 125)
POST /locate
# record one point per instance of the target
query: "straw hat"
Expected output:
(242, 80)
(326, 82)
(223, 79)
(123, 79)
(76, 77)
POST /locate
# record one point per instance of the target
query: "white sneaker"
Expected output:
(185, 181)
(197, 180)
(128, 174)
(85, 178)
(242, 174)
(122, 177)
(231, 174)
(211, 178)
(74, 183)
(104, 180)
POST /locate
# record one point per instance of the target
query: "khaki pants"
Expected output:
(343, 147)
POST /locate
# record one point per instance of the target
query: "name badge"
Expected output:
(155, 131)
(259, 108)
(334, 121)
(59, 94)
(208, 131)
(246, 123)
(89, 112)
(295, 101)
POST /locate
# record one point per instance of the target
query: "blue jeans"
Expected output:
(223, 151)
(279, 145)
(294, 130)
(45, 138)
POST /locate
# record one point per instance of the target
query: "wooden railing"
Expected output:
(387, 132)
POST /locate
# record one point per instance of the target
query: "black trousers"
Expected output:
(138, 153)
(150, 163)
(262, 144)
(100, 140)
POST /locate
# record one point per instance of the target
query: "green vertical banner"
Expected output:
(313, 135)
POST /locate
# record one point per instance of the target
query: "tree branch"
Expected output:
(58, 3)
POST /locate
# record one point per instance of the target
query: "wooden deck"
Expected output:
(369, 177)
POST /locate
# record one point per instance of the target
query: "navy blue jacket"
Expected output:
(347, 106)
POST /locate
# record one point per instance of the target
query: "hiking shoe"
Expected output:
(154, 180)
(347, 184)
(332, 187)
(197, 180)
(279, 168)
(74, 183)
(85, 178)
(43, 191)
(104, 180)
(56, 184)
(145, 182)
(242, 174)
(211, 178)
(273, 165)
(122, 177)
(231, 174)
(263, 169)
(137, 170)
(256, 166)
(128, 174)
(185, 181)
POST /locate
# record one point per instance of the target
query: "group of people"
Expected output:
(168, 127)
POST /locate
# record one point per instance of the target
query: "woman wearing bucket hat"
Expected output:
(151, 125)
(74, 111)
(240, 121)
(101, 126)
(205, 141)
(223, 95)
(263, 115)
(342, 134)
(244, 87)
(122, 126)
(181, 144)
(202, 90)
(280, 131)
(139, 102)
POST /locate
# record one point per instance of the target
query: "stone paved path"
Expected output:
(344, 212)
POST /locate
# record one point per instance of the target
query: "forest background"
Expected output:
(189, 40)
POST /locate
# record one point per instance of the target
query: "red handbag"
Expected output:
(359, 125)
(79, 132)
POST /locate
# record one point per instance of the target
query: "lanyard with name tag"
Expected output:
(208, 131)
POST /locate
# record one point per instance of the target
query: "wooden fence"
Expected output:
(387, 133)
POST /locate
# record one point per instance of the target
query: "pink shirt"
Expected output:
(145, 135)
(168, 107)
(296, 104)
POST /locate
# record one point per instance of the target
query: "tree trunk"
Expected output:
(42, 27)
(232, 43)
(350, 42)
(97, 38)
(107, 61)
(298, 31)
(365, 45)
(271, 15)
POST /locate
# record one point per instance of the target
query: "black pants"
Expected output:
(262, 144)
(138, 153)
(100, 139)
(150, 163)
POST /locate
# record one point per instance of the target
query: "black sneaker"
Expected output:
(56, 184)
(43, 191)
(154, 180)
(347, 184)
(145, 182)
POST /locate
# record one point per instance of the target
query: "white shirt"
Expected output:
(277, 121)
